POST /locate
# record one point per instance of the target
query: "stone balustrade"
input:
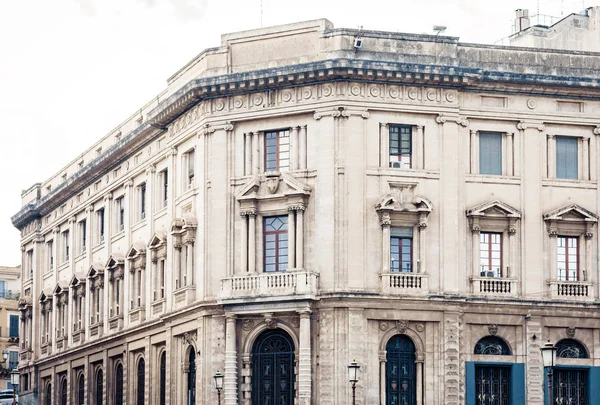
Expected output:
(494, 286)
(571, 290)
(404, 284)
(277, 285)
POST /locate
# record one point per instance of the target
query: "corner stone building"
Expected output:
(303, 196)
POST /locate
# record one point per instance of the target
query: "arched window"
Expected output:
(571, 349)
(119, 384)
(192, 378)
(63, 392)
(400, 375)
(49, 394)
(81, 390)
(141, 379)
(163, 379)
(273, 369)
(99, 387)
(492, 345)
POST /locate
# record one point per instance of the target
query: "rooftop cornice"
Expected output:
(340, 69)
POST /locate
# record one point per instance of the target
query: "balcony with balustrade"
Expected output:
(404, 283)
(271, 286)
(494, 287)
(571, 290)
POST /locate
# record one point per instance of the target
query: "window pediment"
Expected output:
(77, 279)
(494, 209)
(46, 297)
(572, 212)
(96, 269)
(571, 219)
(137, 256)
(272, 186)
(158, 246)
(416, 210)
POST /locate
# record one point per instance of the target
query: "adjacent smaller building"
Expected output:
(10, 289)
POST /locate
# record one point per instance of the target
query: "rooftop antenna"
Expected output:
(439, 29)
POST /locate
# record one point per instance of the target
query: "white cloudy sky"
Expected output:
(71, 70)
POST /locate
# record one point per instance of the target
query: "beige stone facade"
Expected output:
(156, 244)
(10, 289)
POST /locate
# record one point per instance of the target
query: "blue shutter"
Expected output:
(470, 376)
(14, 326)
(490, 153)
(2, 289)
(13, 360)
(517, 383)
(594, 382)
(566, 157)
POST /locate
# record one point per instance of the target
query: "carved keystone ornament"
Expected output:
(493, 329)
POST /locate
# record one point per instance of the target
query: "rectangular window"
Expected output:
(401, 249)
(13, 330)
(490, 254)
(276, 243)
(567, 258)
(490, 153)
(190, 163)
(30, 263)
(66, 247)
(13, 359)
(83, 236)
(50, 250)
(162, 279)
(401, 146)
(566, 157)
(165, 187)
(277, 151)
(142, 190)
(120, 204)
(3, 290)
(100, 218)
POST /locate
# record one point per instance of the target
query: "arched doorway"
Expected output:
(49, 394)
(163, 379)
(99, 387)
(63, 392)
(191, 378)
(273, 369)
(141, 382)
(570, 385)
(400, 373)
(81, 390)
(492, 381)
(119, 384)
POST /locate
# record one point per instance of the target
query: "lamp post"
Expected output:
(549, 359)
(353, 378)
(218, 384)
(14, 379)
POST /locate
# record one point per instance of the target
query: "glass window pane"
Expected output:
(566, 157)
(490, 153)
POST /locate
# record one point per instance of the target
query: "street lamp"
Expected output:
(5, 354)
(549, 359)
(14, 379)
(353, 378)
(218, 384)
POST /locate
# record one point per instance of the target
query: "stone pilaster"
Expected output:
(304, 360)
(451, 359)
(230, 385)
(535, 370)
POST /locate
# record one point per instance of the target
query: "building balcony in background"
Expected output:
(399, 283)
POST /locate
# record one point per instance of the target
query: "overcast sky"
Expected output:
(72, 70)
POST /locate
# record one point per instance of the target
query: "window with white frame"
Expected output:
(120, 213)
(29, 255)
(82, 236)
(164, 188)
(567, 258)
(65, 245)
(401, 249)
(189, 169)
(494, 239)
(490, 254)
(100, 225)
(142, 201)
(50, 254)
(570, 243)
(277, 150)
